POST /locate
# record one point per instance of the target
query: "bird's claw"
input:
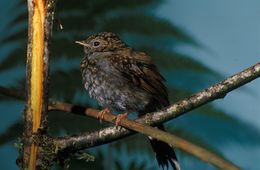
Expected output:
(120, 117)
(101, 114)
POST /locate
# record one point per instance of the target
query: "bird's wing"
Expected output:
(138, 69)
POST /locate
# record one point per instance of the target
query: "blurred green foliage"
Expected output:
(136, 23)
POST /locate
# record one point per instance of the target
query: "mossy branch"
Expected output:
(179, 108)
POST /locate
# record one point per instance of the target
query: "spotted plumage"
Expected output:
(125, 80)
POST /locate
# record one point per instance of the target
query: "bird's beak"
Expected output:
(82, 43)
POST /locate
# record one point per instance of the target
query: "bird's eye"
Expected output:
(96, 43)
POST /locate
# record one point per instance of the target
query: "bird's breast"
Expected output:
(113, 91)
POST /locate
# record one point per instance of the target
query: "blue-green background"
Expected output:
(225, 39)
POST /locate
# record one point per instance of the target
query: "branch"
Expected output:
(110, 134)
(11, 92)
(181, 107)
(71, 143)
(37, 70)
(34, 65)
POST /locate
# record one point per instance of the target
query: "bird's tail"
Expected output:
(165, 154)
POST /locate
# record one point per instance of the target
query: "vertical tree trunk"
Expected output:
(35, 115)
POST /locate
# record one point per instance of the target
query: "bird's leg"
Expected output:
(119, 117)
(102, 113)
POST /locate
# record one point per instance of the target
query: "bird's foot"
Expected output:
(120, 117)
(102, 113)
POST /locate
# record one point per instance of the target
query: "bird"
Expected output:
(124, 80)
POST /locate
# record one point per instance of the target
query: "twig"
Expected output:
(14, 93)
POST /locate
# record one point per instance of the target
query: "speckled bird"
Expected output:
(124, 80)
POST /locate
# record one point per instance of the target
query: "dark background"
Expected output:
(194, 43)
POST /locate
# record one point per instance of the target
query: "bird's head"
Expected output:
(102, 42)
